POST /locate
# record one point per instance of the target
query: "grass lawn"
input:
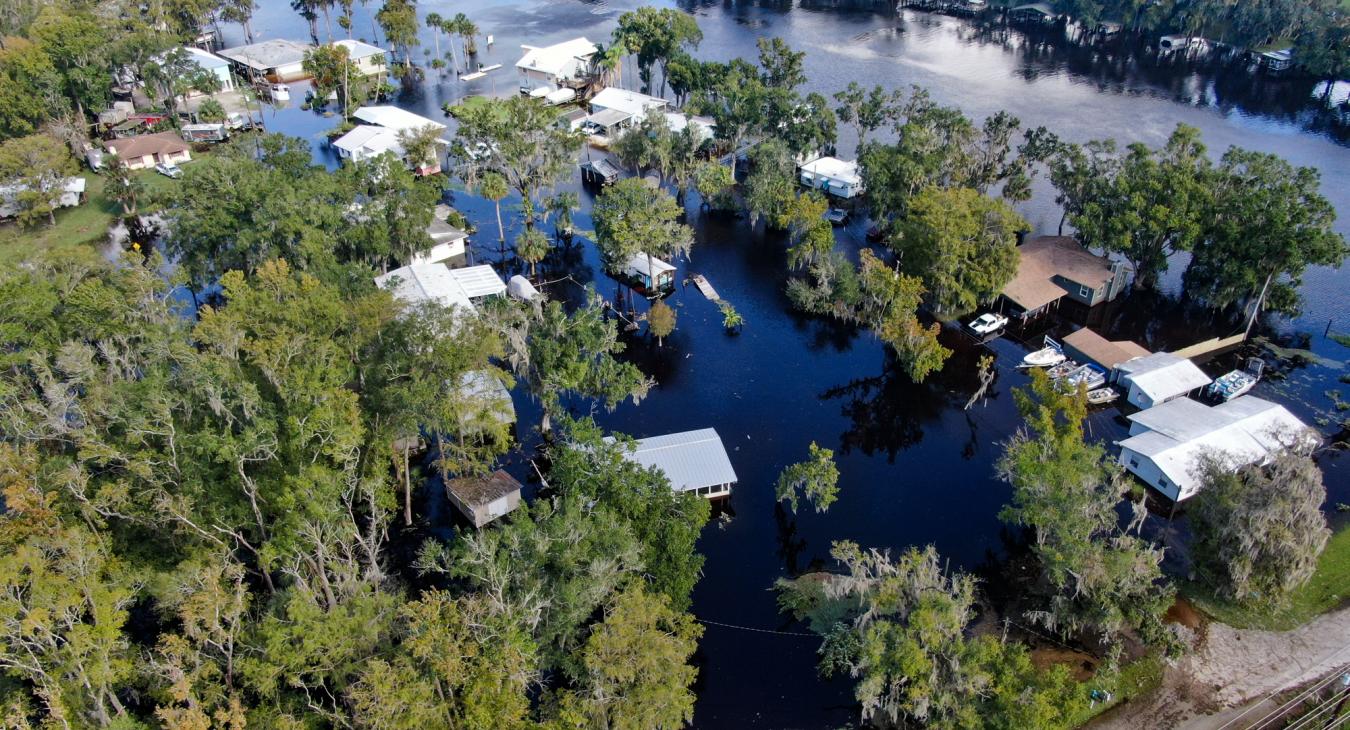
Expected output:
(1136, 679)
(1328, 589)
(79, 232)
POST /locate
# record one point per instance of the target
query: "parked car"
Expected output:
(987, 323)
(168, 169)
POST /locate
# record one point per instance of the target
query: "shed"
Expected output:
(1276, 60)
(693, 461)
(478, 282)
(488, 389)
(520, 288)
(1086, 345)
(833, 176)
(1167, 442)
(147, 150)
(661, 275)
(484, 499)
(418, 283)
(599, 172)
(277, 59)
(1155, 379)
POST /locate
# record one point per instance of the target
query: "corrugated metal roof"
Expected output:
(690, 460)
(556, 58)
(423, 283)
(479, 281)
(391, 117)
(834, 168)
(637, 264)
(1163, 375)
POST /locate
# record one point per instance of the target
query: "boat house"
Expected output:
(832, 176)
(147, 150)
(1276, 60)
(1053, 268)
(650, 273)
(1086, 345)
(1032, 13)
(369, 60)
(276, 60)
(484, 499)
(1167, 442)
(693, 461)
(565, 64)
(1155, 379)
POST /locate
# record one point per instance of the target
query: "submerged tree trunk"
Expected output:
(407, 487)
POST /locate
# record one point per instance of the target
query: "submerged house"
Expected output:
(276, 60)
(208, 62)
(566, 64)
(832, 176)
(380, 134)
(693, 461)
(1054, 268)
(1166, 443)
(1155, 379)
(484, 499)
(448, 243)
(369, 60)
(650, 273)
(417, 283)
(147, 150)
(1032, 13)
(1276, 60)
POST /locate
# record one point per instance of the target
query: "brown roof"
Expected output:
(159, 143)
(477, 491)
(1045, 257)
(1104, 352)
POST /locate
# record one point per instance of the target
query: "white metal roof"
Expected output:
(391, 117)
(845, 171)
(273, 53)
(690, 460)
(203, 59)
(555, 59)
(1245, 430)
(704, 127)
(358, 49)
(371, 138)
(1162, 375)
(479, 281)
(638, 264)
(425, 282)
(608, 117)
(627, 101)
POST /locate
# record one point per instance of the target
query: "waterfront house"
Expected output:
(276, 60)
(147, 150)
(1086, 345)
(1053, 268)
(366, 142)
(369, 60)
(1032, 13)
(484, 499)
(447, 242)
(1166, 443)
(565, 64)
(704, 127)
(650, 273)
(1279, 59)
(417, 283)
(208, 62)
(632, 105)
(693, 461)
(71, 196)
(832, 176)
(380, 134)
(1154, 379)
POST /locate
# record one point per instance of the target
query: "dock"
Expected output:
(480, 73)
(706, 288)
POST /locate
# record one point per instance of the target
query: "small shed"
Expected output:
(649, 272)
(484, 499)
(479, 282)
(1086, 345)
(599, 172)
(693, 461)
(832, 176)
(448, 243)
(487, 389)
(520, 288)
(1276, 60)
(1155, 379)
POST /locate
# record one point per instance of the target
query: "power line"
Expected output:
(755, 630)
(1284, 707)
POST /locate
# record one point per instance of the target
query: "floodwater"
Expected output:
(915, 467)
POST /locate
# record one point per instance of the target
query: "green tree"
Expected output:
(211, 111)
(732, 321)
(493, 187)
(29, 87)
(332, 71)
(1268, 223)
(532, 246)
(656, 35)
(1258, 529)
(889, 305)
(77, 42)
(865, 110)
(40, 166)
(783, 67)
(123, 187)
(816, 479)
(714, 184)
(636, 667)
(631, 217)
(661, 321)
(771, 187)
(398, 18)
(962, 244)
(421, 147)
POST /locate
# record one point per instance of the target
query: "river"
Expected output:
(915, 468)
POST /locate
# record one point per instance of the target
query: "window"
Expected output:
(1134, 463)
(1085, 292)
(1162, 482)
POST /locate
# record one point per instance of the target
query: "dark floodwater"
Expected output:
(916, 469)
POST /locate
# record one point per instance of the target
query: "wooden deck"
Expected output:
(1210, 346)
(706, 288)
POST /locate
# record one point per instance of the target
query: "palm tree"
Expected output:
(493, 187)
(436, 23)
(466, 30)
(606, 63)
(532, 247)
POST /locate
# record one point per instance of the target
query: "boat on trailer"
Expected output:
(1102, 396)
(1043, 358)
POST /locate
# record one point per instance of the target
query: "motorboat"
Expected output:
(1043, 358)
(836, 216)
(1102, 396)
(1062, 369)
(1090, 376)
(988, 323)
(1233, 384)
